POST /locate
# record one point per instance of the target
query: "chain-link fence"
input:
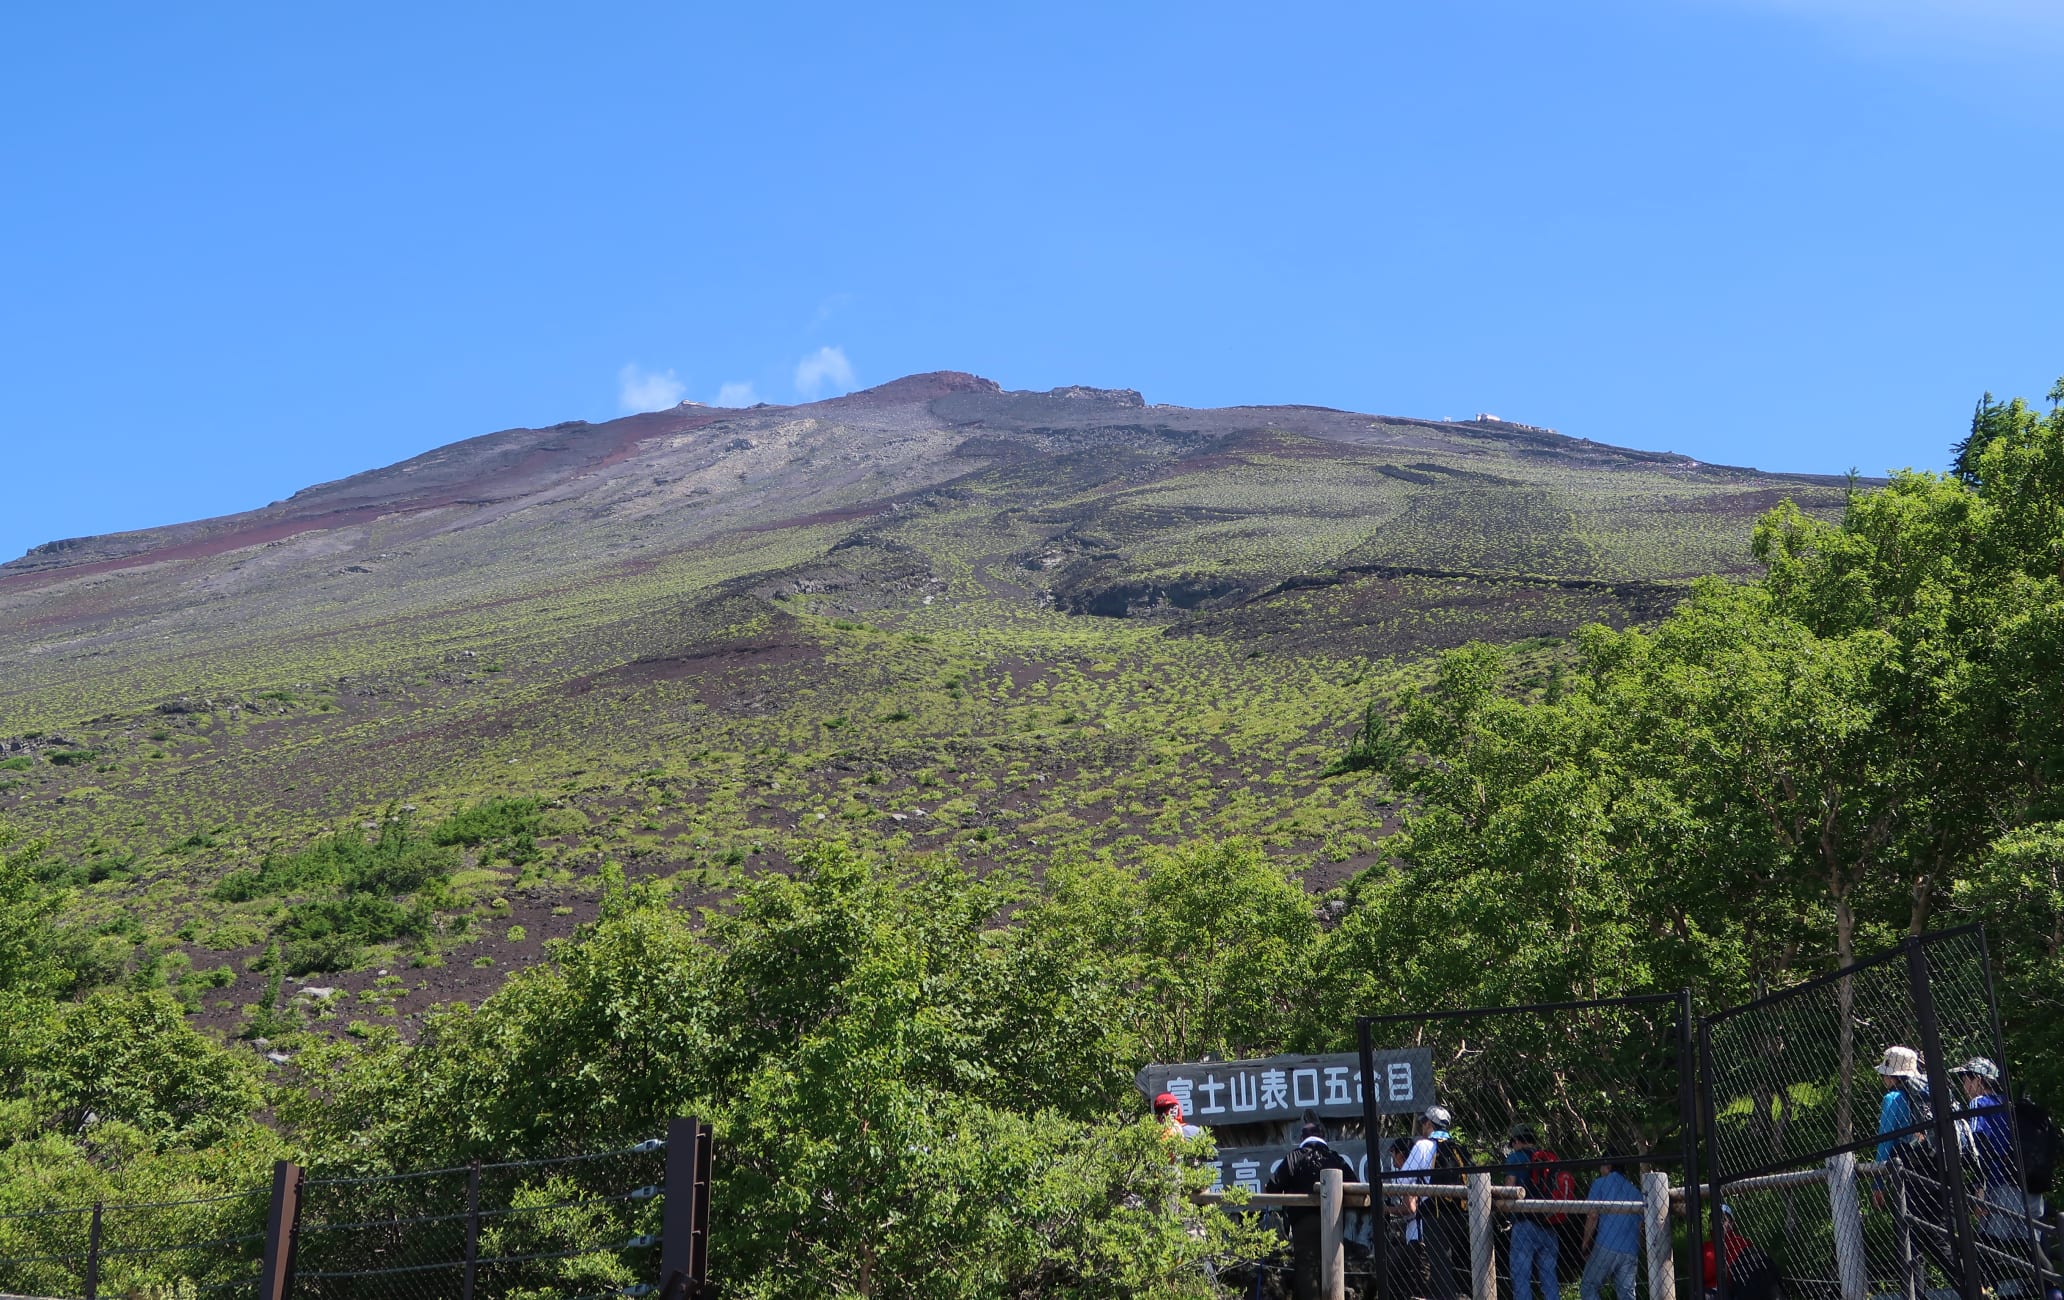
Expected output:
(210, 1244)
(554, 1228)
(1568, 1102)
(573, 1226)
(1862, 1138)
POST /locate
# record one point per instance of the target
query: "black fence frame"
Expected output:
(1687, 1107)
(1914, 951)
(683, 1239)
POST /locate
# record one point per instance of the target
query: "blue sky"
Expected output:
(247, 248)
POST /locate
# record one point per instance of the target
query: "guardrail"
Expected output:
(1660, 1200)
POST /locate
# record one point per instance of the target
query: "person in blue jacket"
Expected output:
(2002, 1208)
(1906, 1092)
(1911, 1159)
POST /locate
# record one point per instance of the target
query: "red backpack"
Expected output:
(1549, 1184)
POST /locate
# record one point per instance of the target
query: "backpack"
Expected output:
(1449, 1159)
(1752, 1275)
(2038, 1135)
(1301, 1170)
(1920, 1109)
(1550, 1184)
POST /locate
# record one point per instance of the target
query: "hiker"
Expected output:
(1906, 1102)
(1612, 1241)
(1751, 1274)
(1435, 1229)
(1168, 1111)
(1401, 1277)
(1911, 1157)
(2000, 1205)
(1535, 1246)
(1299, 1174)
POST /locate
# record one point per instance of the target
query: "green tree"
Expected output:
(29, 957)
(132, 1058)
(1208, 949)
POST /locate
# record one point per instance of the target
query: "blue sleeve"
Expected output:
(1892, 1114)
(1995, 1141)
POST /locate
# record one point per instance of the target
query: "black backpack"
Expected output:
(1449, 1159)
(2038, 1136)
(1920, 1109)
(1301, 1170)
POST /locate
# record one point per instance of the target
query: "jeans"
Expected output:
(1534, 1249)
(1606, 1264)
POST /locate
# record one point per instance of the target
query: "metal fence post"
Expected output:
(472, 1232)
(1971, 1283)
(1688, 1117)
(1483, 1240)
(93, 1254)
(1912, 1280)
(1717, 1243)
(1332, 1242)
(1850, 1264)
(684, 1220)
(1379, 1204)
(280, 1223)
(1662, 1266)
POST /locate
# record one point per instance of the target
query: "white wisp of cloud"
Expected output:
(739, 393)
(645, 390)
(826, 367)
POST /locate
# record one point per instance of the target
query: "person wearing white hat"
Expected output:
(1906, 1102)
(1910, 1156)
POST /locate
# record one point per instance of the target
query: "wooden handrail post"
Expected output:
(1483, 1240)
(280, 1222)
(1850, 1266)
(1662, 1268)
(1332, 1238)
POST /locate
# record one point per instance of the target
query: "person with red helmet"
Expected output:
(1168, 1110)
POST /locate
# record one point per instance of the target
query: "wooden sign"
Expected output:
(1285, 1087)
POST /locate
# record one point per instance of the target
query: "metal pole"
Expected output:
(472, 1231)
(1483, 1240)
(679, 1252)
(93, 1254)
(280, 1223)
(1379, 1205)
(1688, 1117)
(1850, 1264)
(1718, 1208)
(1662, 1267)
(1911, 1280)
(705, 1163)
(1332, 1243)
(2025, 1204)
(1972, 1282)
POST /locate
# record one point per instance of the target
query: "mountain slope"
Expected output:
(934, 614)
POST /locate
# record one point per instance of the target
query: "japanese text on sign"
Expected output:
(1284, 1087)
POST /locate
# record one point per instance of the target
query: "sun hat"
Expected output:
(1981, 1066)
(1523, 1133)
(1166, 1101)
(1437, 1116)
(1900, 1063)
